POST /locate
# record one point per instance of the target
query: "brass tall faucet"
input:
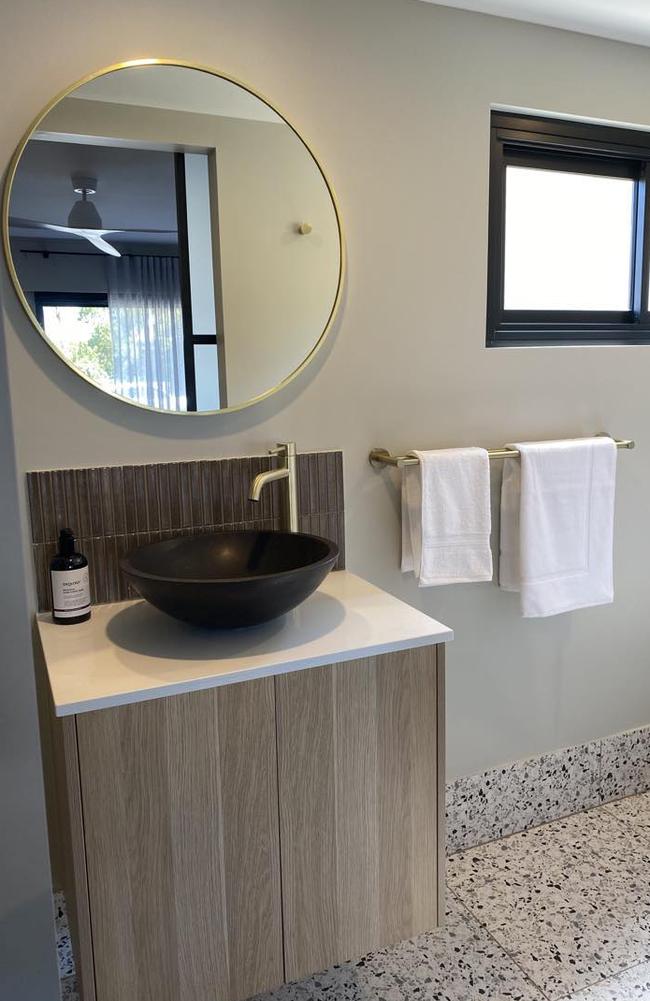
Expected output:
(287, 451)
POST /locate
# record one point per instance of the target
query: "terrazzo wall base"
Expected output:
(527, 793)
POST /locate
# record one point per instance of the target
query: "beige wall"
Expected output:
(395, 95)
(277, 286)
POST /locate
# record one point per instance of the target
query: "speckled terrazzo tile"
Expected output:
(569, 780)
(565, 842)
(68, 986)
(625, 764)
(457, 963)
(492, 805)
(633, 811)
(569, 928)
(63, 944)
(632, 985)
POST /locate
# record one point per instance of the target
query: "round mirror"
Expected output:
(173, 238)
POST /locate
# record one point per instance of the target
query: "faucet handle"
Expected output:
(287, 448)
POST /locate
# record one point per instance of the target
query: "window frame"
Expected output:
(521, 140)
(42, 299)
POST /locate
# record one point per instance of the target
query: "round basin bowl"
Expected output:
(226, 580)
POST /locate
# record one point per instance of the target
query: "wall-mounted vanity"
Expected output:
(245, 808)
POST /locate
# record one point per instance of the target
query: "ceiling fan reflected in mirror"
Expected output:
(84, 221)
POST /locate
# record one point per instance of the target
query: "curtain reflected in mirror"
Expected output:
(146, 325)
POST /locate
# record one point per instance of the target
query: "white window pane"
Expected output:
(206, 370)
(568, 240)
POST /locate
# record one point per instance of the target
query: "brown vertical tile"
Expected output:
(173, 473)
(340, 538)
(141, 498)
(123, 546)
(128, 484)
(108, 502)
(42, 577)
(322, 471)
(185, 494)
(35, 509)
(313, 483)
(250, 510)
(331, 472)
(48, 515)
(95, 504)
(114, 479)
(215, 473)
(227, 487)
(152, 480)
(83, 528)
(164, 496)
(303, 484)
(94, 551)
(111, 575)
(340, 491)
(59, 506)
(198, 513)
(205, 486)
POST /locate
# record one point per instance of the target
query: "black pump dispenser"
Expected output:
(70, 582)
(66, 542)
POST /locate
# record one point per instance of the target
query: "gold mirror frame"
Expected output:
(11, 173)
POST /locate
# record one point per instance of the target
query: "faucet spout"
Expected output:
(263, 478)
(288, 472)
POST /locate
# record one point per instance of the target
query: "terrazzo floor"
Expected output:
(560, 911)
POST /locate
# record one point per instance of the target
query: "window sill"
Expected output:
(560, 337)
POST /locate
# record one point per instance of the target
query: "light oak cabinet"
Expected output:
(224, 841)
(360, 772)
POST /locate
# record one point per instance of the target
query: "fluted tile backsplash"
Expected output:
(114, 509)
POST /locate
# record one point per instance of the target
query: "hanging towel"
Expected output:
(446, 517)
(557, 525)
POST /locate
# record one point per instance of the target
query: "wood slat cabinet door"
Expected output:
(360, 755)
(182, 845)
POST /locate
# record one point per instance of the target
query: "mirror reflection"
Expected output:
(174, 238)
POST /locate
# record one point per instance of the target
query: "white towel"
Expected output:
(557, 525)
(446, 517)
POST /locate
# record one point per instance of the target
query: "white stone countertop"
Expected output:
(130, 652)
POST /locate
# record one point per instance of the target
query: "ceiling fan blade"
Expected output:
(95, 237)
(25, 223)
(33, 224)
(138, 229)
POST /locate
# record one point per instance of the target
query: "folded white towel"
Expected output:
(557, 525)
(446, 517)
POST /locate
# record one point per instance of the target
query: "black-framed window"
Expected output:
(569, 233)
(71, 299)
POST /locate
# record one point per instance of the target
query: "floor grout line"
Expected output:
(602, 981)
(499, 946)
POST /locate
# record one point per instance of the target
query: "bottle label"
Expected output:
(70, 592)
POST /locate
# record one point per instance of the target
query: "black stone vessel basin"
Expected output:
(230, 579)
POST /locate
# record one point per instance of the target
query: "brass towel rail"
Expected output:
(382, 457)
